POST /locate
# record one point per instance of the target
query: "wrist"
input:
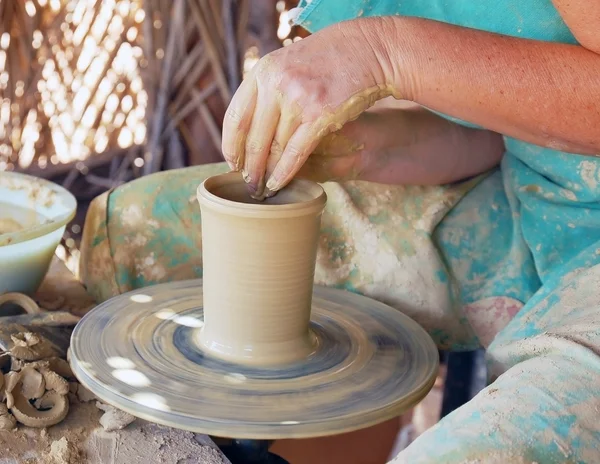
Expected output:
(366, 49)
(395, 44)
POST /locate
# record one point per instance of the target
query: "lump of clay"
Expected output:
(55, 382)
(56, 364)
(25, 339)
(84, 395)
(25, 353)
(11, 380)
(51, 409)
(28, 346)
(33, 385)
(7, 420)
(113, 418)
(17, 364)
(61, 367)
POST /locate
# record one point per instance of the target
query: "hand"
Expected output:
(403, 144)
(297, 95)
(336, 158)
(354, 150)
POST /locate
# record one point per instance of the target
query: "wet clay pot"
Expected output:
(258, 270)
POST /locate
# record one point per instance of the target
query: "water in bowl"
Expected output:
(14, 218)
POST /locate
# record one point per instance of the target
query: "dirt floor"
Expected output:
(80, 439)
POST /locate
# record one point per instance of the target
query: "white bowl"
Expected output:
(43, 209)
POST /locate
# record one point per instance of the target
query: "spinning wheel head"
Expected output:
(139, 353)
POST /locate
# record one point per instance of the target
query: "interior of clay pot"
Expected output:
(231, 189)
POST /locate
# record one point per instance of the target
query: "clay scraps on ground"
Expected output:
(64, 417)
(28, 346)
(63, 452)
(140, 443)
(82, 393)
(33, 393)
(113, 418)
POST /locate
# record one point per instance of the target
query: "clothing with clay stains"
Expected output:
(530, 232)
(536, 227)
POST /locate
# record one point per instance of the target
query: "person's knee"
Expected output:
(542, 409)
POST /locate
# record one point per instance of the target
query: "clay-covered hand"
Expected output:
(355, 150)
(404, 144)
(337, 157)
(295, 96)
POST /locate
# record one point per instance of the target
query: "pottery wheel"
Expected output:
(137, 352)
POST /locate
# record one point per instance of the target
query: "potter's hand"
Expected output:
(351, 152)
(403, 144)
(336, 158)
(297, 95)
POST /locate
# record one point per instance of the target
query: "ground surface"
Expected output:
(85, 441)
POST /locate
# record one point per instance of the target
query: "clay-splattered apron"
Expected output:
(508, 260)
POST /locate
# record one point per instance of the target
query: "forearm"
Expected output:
(543, 93)
(435, 151)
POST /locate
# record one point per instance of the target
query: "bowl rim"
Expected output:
(46, 228)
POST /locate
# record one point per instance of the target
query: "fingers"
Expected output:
(288, 124)
(259, 140)
(237, 123)
(299, 147)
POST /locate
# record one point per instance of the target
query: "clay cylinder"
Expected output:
(258, 270)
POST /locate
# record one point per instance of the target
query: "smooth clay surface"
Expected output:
(139, 353)
(259, 265)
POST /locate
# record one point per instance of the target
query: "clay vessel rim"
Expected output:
(207, 198)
